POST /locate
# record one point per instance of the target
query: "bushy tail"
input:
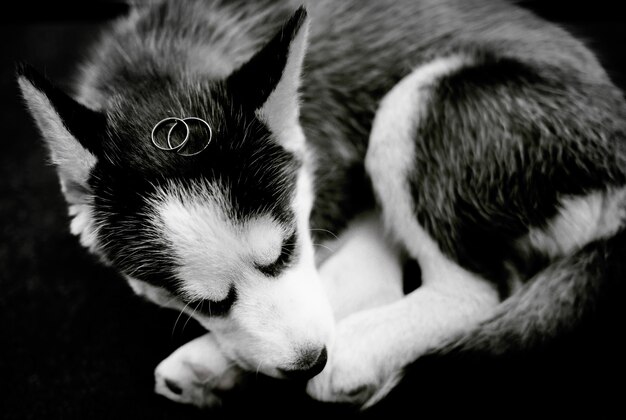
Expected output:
(556, 302)
(559, 335)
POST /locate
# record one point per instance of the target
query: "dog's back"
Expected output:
(357, 52)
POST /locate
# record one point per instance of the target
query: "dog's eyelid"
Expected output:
(288, 248)
(212, 307)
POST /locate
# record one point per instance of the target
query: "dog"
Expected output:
(318, 148)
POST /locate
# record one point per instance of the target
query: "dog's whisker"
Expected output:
(192, 312)
(324, 246)
(314, 244)
(179, 315)
(324, 230)
(258, 368)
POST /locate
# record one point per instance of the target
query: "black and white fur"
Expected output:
(469, 135)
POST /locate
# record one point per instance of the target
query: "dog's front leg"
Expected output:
(365, 269)
(372, 347)
(362, 278)
(196, 373)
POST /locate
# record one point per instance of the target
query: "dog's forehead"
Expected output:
(242, 151)
(134, 115)
(161, 96)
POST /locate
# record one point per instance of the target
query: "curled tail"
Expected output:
(558, 339)
(567, 293)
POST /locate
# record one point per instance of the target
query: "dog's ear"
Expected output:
(69, 129)
(268, 84)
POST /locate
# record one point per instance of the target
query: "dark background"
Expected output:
(76, 343)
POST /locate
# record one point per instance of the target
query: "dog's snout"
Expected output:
(310, 363)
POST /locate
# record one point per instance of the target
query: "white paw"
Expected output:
(197, 375)
(360, 370)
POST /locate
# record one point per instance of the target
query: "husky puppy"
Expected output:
(489, 143)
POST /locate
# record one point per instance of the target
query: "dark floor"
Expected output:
(76, 343)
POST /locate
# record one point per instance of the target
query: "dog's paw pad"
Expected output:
(184, 389)
(186, 383)
(173, 387)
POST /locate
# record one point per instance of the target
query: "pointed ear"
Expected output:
(268, 84)
(68, 128)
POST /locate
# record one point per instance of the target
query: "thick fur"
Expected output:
(491, 142)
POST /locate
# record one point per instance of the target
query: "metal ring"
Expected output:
(206, 144)
(169, 137)
(180, 146)
(164, 120)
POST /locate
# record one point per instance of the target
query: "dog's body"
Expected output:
(491, 141)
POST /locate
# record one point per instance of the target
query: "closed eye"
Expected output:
(212, 308)
(287, 252)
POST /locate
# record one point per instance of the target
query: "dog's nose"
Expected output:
(310, 363)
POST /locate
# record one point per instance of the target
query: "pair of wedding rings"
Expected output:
(179, 148)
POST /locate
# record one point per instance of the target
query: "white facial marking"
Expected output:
(264, 240)
(203, 237)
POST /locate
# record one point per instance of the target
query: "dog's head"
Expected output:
(222, 234)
